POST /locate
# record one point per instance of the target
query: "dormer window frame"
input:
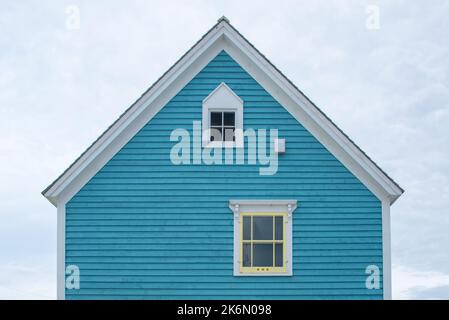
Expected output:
(222, 99)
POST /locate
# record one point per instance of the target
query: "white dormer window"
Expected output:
(222, 119)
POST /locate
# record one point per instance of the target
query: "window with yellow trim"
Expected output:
(263, 242)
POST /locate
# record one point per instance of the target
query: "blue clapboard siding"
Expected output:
(144, 228)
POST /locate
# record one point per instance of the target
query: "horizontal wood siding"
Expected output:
(145, 228)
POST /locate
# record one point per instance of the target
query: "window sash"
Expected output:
(273, 241)
(222, 127)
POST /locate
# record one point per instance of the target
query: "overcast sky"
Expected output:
(385, 83)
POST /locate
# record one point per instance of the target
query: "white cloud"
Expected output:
(410, 283)
(18, 282)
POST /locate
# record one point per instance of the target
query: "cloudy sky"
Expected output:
(384, 81)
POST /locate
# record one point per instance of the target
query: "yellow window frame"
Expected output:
(267, 269)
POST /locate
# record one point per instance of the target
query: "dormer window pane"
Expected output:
(216, 134)
(229, 134)
(216, 119)
(229, 119)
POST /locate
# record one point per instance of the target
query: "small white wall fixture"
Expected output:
(279, 145)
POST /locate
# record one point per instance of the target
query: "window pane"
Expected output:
(262, 228)
(279, 253)
(279, 230)
(215, 134)
(263, 255)
(246, 255)
(229, 119)
(246, 228)
(215, 118)
(229, 134)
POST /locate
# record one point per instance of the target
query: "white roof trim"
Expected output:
(221, 37)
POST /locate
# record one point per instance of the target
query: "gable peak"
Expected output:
(223, 18)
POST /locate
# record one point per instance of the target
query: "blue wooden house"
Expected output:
(223, 181)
